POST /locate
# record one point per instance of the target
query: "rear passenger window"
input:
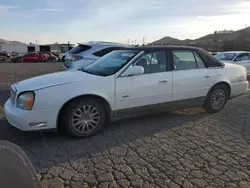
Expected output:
(186, 60)
(199, 61)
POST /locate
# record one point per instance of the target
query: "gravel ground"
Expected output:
(11, 72)
(186, 148)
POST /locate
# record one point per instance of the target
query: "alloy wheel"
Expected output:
(85, 119)
(218, 98)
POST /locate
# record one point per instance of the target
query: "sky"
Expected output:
(49, 21)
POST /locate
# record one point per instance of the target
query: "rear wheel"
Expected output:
(83, 117)
(216, 99)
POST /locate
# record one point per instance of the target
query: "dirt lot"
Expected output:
(186, 148)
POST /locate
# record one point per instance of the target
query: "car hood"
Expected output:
(52, 80)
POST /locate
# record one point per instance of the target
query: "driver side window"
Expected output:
(153, 62)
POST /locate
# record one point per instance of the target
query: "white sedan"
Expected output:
(124, 83)
(236, 57)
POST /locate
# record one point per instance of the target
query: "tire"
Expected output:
(216, 99)
(72, 112)
(63, 59)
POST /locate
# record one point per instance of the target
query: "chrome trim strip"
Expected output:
(52, 85)
(38, 124)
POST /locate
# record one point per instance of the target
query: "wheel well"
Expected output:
(96, 97)
(225, 84)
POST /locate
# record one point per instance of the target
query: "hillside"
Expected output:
(2, 41)
(213, 42)
(168, 40)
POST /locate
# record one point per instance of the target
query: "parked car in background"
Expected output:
(124, 83)
(236, 57)
(52, 57)
(16, 57)
(4, 56)
(214, 53)
(34, 57)
(85, 54)
(61, 57)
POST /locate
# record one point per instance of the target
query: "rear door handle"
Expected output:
(207, 76)
(163, 81)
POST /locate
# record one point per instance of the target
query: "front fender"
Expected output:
(56, 97)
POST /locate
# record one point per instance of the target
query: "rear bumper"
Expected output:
(239, 89)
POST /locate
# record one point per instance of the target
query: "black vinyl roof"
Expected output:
(156, 48)
(208, 59)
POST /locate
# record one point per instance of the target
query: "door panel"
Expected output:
(191, 78)
(193, 83)
(150, 90)
(143, 90)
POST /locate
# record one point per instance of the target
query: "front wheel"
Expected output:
(216, 99)
(83, 117)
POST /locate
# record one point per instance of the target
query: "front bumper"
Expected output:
(30, 120)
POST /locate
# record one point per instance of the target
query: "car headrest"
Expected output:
(142, 62)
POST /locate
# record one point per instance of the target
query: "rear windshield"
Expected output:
(78, 49)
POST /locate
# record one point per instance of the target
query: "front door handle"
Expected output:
(207, 77)
(163, 81)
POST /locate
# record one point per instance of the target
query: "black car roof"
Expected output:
(154, 48)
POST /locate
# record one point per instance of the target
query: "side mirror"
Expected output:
(133, 71)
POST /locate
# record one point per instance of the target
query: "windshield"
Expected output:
(111, 63)
(225, 56)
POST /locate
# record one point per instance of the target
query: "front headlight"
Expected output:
(26, 100)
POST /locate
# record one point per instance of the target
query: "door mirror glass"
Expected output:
(133, 71)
